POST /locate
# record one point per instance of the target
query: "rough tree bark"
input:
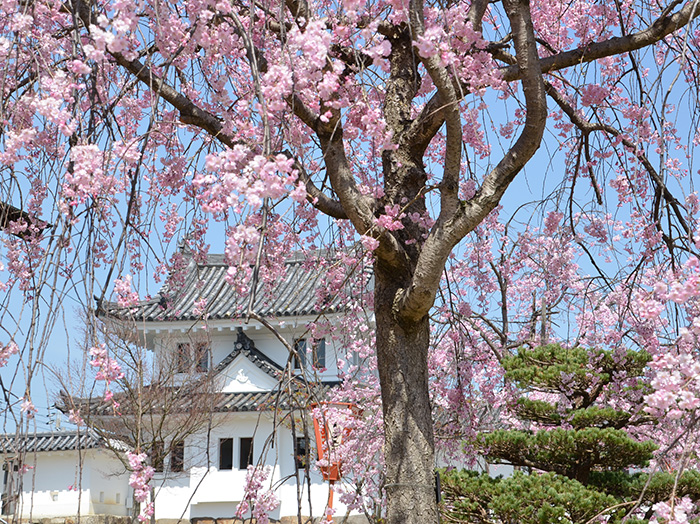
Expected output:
(404, 293)
(408, 424)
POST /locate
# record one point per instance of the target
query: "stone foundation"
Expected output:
(354, 519)
(111, 519)
(84, 519)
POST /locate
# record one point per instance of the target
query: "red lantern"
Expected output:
(329, 437)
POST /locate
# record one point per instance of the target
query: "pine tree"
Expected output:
(578, 453)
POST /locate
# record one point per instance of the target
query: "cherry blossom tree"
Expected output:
(143, 408)
(129, 126)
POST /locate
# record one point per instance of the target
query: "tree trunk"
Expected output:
(409, 450)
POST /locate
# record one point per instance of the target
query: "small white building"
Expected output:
(62, 474)
(260, 393)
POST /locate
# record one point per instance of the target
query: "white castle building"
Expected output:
(256, 399)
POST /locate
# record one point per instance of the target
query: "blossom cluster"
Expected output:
(6, 352)
(126, 296)
(87, 177)
(108, 370)
(676, 386)
(676, 379)
(139, 479)
(679, 511)
(256, 499)
(28, 408)
(75, 418)
(242, 178)
(391, 219)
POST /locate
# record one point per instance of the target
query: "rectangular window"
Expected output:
(300, 357)
(183, 360)
(301, 452)
(177, 456)
(202, 357)
(157, 455)
(245, 456)
(226, 453)
(318, 353)
(192, 357)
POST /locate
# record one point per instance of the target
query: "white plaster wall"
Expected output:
(172, 494)
(52, 474)
(288, 493)
(223, 338)
(109, 484)
(221, 344)
(209, 492)
(58, 486)
(242, 375)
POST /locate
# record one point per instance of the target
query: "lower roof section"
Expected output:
(296, 395)
(67, 440)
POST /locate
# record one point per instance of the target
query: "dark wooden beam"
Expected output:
(9, 213)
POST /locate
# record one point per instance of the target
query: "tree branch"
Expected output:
(661, 28)
(190, 113)
(431, 117)
(588, 127)
(9, 213)
(315, 196)
(445, 84)
(450, 229)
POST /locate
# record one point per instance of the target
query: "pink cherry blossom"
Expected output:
(257, 500)
(138, 480)
(6, 352)
(28, 408)
(126, 296)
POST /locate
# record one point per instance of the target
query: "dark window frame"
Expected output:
(245, 452)
(300, 357)
(192, 356)
(158, 456)
(318, 353)
(225, 453)
(177, 456)
(202, 357)
(182, 357)
(302, 452)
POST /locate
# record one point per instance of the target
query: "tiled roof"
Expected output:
(57, 441)
(297, 395)
(300, 291)
(271, 400)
